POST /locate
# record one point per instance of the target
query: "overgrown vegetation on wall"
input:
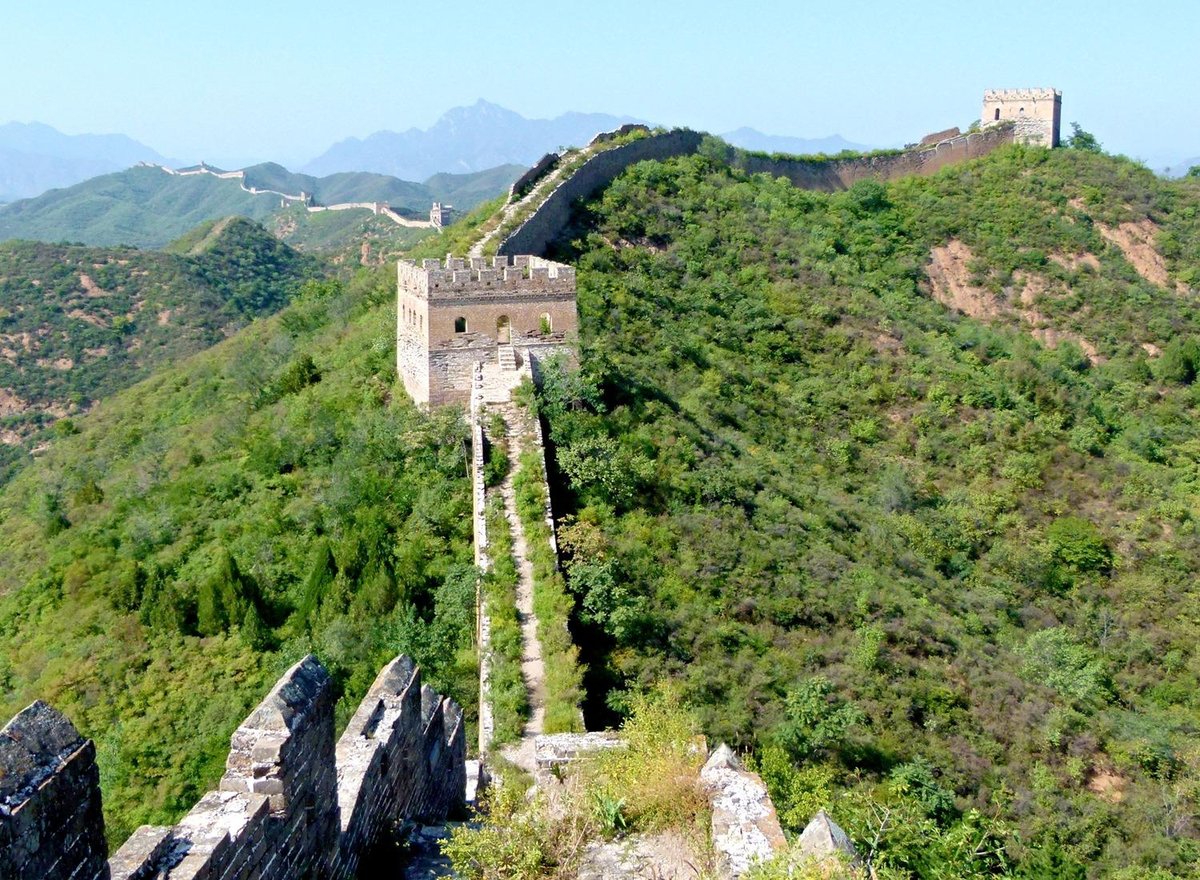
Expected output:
(552, 604)
(506, 684)
(651, 786)
(937, 575)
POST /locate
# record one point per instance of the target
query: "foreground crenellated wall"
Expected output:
(290, 805)
(50, 821)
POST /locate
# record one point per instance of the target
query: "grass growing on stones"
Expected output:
(551, 602)
(510, 702)
(649, 787)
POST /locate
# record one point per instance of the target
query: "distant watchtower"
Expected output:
(1036, 113)
(454, 315)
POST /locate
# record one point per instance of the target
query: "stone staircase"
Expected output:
(506, 357)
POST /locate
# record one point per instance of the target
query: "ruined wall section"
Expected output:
(525, 182)
(834, 175)
(51, 826)
(402, 755)
(290, 805)
(274, 812)
(551, 218)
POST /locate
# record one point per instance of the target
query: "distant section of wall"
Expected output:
(938, 136)
(628, 128)
(551, 218)
(832, 175)
(51, 826)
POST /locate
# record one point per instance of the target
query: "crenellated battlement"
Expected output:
(1021, 94)
(292, 803)
(455, 276)
(455, 313)
(1036, 114)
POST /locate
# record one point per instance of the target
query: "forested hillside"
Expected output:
(78, 323)
(939, 576)
(208, 527)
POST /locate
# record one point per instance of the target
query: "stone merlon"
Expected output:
(435, 279)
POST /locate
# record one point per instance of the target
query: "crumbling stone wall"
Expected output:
(51, 826)
(526, 181)
(290, 805)
(551, 217)
(274, 813)
(833, 175)
(402, 755)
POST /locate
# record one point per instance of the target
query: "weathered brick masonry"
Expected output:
(833, 175)
(453, 315)
(50, 821)
(290, 805)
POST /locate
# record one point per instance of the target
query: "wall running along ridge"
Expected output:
(290, 805)
(551, 217)
(833, 175)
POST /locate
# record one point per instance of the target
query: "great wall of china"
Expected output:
(303, 198)
(295, 803)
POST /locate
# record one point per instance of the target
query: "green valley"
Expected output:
(78, 323)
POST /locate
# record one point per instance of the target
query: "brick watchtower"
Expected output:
(1036, 114)
(454, 315)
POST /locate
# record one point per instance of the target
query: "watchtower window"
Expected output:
(997, 114)
(460, 325)
(503, 329)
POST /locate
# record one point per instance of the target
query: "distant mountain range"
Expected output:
(145, 206)
(464, 139)
(750, 139)
(484, 135)
(36, 157)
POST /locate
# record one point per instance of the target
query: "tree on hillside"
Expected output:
(1083, 140)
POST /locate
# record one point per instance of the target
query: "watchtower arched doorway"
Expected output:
(503, 329)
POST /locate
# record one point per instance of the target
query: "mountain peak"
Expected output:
(464, 139)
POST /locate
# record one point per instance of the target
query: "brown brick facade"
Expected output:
(454, 314)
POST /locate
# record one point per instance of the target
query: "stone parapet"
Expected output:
(553, 215)
(290, 805)
(51, 826)
(833, 175)
(479, 276)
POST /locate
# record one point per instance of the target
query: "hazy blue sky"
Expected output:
(284, 80)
